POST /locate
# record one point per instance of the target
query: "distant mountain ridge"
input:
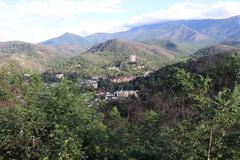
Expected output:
(67, 39)
(220, 29)
(180, 30)
(169, 31)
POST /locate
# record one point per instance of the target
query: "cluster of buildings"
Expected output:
(104, 95)
(94, 83)
(126, 93)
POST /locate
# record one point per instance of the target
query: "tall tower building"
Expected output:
(133, 58)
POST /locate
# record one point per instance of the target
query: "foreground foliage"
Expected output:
(186, 115)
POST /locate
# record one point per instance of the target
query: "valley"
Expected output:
(169, 90)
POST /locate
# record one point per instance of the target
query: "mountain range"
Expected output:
(209, 30)
(152, 43)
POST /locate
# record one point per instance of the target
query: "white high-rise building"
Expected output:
(133, 58)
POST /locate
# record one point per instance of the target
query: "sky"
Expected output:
(38, 20)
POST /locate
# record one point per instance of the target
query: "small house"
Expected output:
(126, 93)
(59, 75)
(121, 79)
(89, 83)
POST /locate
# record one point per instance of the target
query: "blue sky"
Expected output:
(38, 20)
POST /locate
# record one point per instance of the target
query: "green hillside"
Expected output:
(34, 57)
(111, 58)
(210, 61)
(176, 47)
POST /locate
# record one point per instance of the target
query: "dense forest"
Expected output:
(189, 110)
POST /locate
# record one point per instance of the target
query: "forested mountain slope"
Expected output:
(33, 57)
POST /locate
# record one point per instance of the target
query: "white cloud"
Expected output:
(189, 10)
(93, 26)
(87, 27)
(36, 20)
(68, 8)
